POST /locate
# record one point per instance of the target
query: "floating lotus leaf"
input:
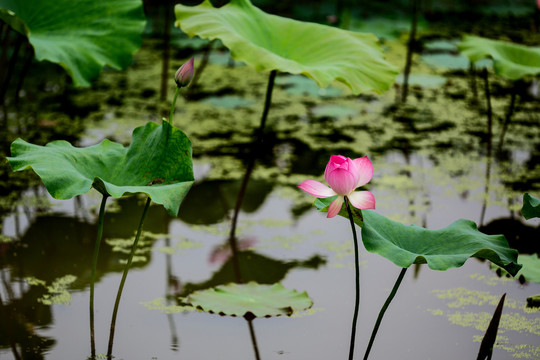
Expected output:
(157, 163)
(440, 249)
(271, 42)
(531, 206)
(250, 300)
(513, 61)
(81, 36)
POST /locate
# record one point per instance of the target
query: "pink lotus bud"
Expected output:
(341, 174)
(184, 75)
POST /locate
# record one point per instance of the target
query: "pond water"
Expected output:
(430, 160)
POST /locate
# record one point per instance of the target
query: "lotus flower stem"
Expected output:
(93, 274)
(357, 268)
(174, 104)
(124, 276)
(383, 310)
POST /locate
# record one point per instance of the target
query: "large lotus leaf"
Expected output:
(510, 60)
(271, 42)
(531, 207)
(157, 163)
(440, 249)
(82, 36)
(250, 300)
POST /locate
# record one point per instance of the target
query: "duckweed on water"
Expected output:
(57, 292)
(161, 305)
(180, 247)
(512, 319)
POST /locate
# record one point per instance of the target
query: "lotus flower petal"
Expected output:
(365, 170)
(335, 207)
(316, 189)
(362, 200)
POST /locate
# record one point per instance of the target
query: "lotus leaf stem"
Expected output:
(383, 310)
(253, 339)
(93, 274)
(124, 276)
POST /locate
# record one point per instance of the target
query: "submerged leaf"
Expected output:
(531, 206)
(157, 163)
(513, 61)
(81, 36)
(250, 300)
(440, 249)
(271, 42)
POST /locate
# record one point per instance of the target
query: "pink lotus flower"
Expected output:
(184, 75)
(344, 176)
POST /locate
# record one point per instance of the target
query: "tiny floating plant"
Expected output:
(157, 163)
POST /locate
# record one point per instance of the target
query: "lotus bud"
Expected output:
(184, 75)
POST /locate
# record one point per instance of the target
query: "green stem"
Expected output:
(383, 310)
(93, 274)
(357, 267)
(253, 339)
(267, 102)
(174, 104)
(124, 276)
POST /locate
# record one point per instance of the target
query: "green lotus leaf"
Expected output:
(531, 206)
(270, 42)
(440, 249)
(250, 300)
(512, 61)
(158, 163)
(81, 36)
